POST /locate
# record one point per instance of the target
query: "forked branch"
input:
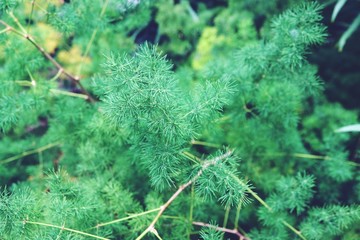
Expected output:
(28, 37)
(208, 163)
(221, 229)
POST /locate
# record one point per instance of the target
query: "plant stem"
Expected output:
(5, 30)
(191, 157)
(205, 165)
(126, 218)
(297, 232)
(311, 156)
(64, 228)
(93, 35)
(214, 145)
(191, 211)
(17, 22)
(41, 162)
(175, 217)
(226, 217)
(222, 229)
(237, 216)
(31, 14)
(27, 153)
(156, 233)
(28, 37)
(317, 157)
(262, 202)
(58, 74)
(192, 13)
(71, 94)
(163, 208)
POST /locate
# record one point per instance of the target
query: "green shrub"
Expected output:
(170, 120)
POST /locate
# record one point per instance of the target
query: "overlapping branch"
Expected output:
(221, 229)
(208, 163)
(24, 34)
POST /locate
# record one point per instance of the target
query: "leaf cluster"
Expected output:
(104, 134)
(140, 94)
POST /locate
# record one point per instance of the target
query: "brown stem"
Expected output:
(208, 163)
(232, 231)
(73, 78)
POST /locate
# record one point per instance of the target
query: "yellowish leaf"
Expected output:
(73, 59)
(46, 36)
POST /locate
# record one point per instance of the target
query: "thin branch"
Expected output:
(126, 218)
(87, 51)
(5, 30)
(311, 156)
(71, 94)
(27, 153)
(191, 157)
(237, 216)
(221, 229)
(156, 234)
(205, 165)
(42, 8)
(192, 13)
(206, 144)
(58, 74)
(226, 217)
(297, 232)
(175, 217)
(262, 202)
(31, 14)
(65, 228)
(93, 35)
(317, 157)
(17, 22)
(191, 211)
(28, 37)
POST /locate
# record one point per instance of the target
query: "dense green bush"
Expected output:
(131, 119)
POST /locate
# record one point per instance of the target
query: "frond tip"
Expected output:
(329, 221)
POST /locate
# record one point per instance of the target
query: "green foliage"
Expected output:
(15, 208)
(210, 234)
(219, 180)
(15, 105)
(329, 221)
(298, 33)
(139, 94)
(63, 19)
(6, 5)
(179, 24)
(293, 193)
(148, 119)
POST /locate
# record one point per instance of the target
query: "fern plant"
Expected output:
(199, 132)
